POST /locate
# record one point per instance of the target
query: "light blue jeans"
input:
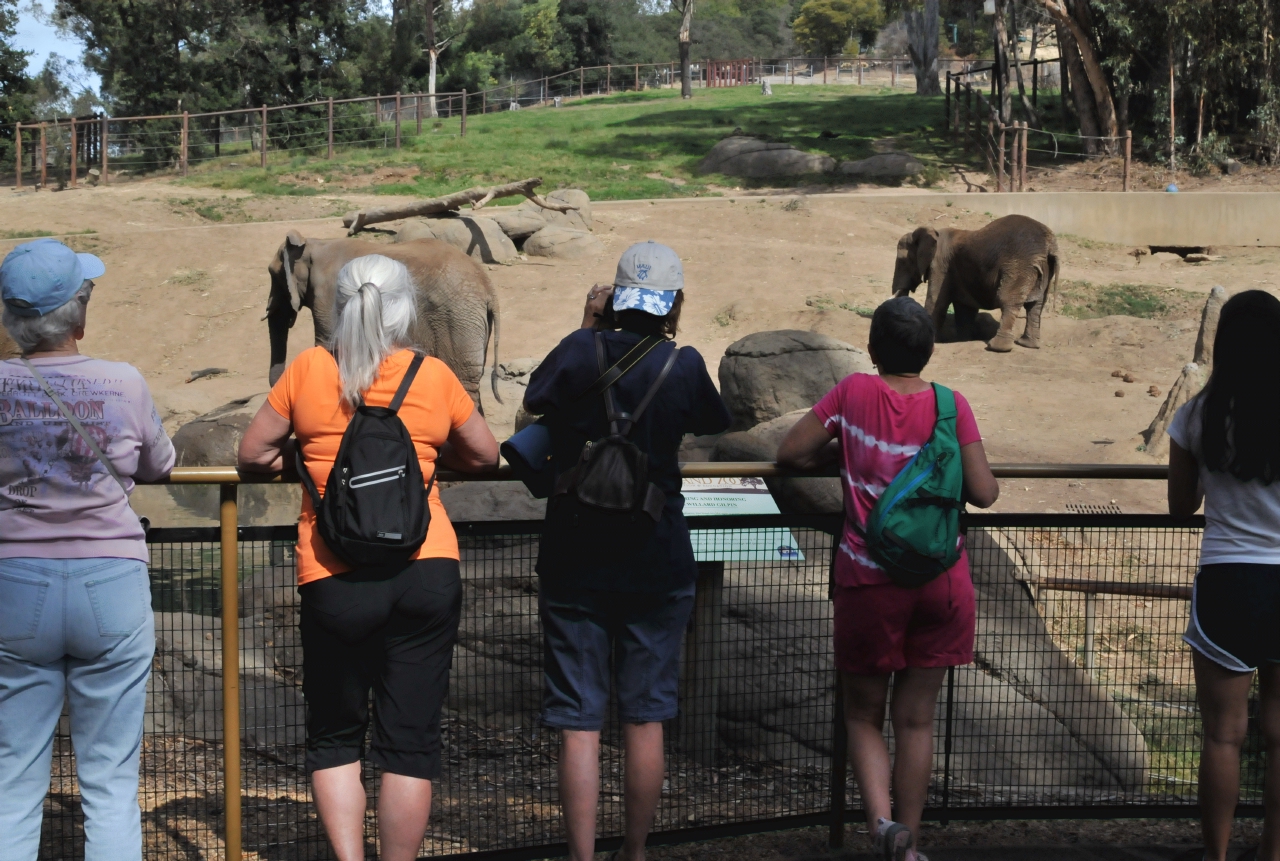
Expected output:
(79, 630)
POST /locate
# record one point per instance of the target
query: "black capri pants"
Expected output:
(392, 634)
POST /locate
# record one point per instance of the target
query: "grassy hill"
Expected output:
(633, 145)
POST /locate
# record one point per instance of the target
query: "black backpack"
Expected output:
(608, 491)
(375, 509)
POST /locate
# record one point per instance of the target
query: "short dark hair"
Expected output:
(901, 336)
(644, 323)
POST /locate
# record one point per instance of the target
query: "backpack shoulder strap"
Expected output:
(946, 402)
(653, 389)
(609, 376)
(406, 382)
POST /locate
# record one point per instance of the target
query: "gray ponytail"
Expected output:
(376, 306)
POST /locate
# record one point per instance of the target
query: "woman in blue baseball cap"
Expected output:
(614, 599)
(75, 599)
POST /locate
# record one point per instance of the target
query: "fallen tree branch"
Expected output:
(477, 197)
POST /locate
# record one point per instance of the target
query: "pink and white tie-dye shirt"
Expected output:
(879, 432)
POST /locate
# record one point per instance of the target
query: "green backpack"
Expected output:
(913, 529)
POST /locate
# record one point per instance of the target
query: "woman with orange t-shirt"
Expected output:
(389, 631)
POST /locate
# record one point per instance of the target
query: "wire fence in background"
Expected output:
(1080, 700)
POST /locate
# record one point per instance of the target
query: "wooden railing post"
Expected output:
(397, 119)
(582, 82)
(946, 111)
(1128, 157)
(698, 730)
(464, 113)
(637, 77)
(44, 159)
(608, 79)
(329, 152)
(17, 140)
(824, 70)
(72, 154)
(105, 134)
(1000, 168)
(263, 153)
(417, 112)
(186, 130)
(1022, 168)
(230, 558)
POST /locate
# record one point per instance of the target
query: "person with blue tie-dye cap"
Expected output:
(611, 616)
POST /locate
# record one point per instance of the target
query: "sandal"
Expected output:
(891, 841)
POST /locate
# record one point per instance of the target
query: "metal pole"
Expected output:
(264, 137)
(946, 747)
(839, 770)
(1128, 156)
(44, 159)
(17, 139)
(106, 177)
(1090, 628)
(464, 113)
(231, 787)
(72, 153)
(329, 155)
(397, 119)
(186, 121)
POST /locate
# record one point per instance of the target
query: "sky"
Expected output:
(44, 39)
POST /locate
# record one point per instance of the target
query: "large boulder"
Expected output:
(753, 158)
(768, 374)
(491, 500)
(793, 495)
(885, 165)
(517, 222)
(481, 238)
(575, 219)
(213, 439)
(564, 243)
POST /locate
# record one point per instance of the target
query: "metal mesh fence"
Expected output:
(1080, 699)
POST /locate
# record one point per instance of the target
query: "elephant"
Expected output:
(457, 306)
(1011, 262)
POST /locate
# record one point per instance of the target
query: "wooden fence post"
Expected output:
(17, 140)
(824, 70)
(263, 153)
(397, 119)
(893, 75)
(1000, 169)
(1022, 171)
(464, 113)
(417, 112)
(946, 111)
(1128, 157)
(637, 77)
(44, 159)
(106, 132)
(582, 85)
(1035, 83)
(186, 140)
(329, 154)
(71, 154)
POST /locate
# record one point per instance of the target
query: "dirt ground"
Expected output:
(184, 293)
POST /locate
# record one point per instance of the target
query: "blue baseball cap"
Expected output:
(648, 278)
(41, 276)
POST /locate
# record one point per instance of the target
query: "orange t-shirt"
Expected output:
(309, 395)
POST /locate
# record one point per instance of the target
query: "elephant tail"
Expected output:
(1049, 278)
(495, 327)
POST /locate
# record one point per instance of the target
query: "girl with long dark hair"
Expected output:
(1225, 452)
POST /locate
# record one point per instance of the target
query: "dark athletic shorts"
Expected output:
(592, 637)
(883, 628)
(1235, 615)
(392, 634)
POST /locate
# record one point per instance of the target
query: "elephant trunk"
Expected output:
(905, 278)
(278, 326)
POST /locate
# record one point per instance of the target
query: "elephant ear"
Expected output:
(926, 249)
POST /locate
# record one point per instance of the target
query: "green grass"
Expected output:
(1086, 301)
(635, 145)
(25, 234)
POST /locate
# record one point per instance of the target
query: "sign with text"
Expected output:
(710, 496)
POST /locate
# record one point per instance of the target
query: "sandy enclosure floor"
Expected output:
(183, 293)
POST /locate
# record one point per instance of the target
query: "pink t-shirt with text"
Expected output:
(879, 432)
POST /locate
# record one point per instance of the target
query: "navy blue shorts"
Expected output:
(1235, 615)
(592, 637)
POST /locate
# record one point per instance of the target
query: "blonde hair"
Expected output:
(376, 306)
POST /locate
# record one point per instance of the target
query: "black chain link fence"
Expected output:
(1080, 701)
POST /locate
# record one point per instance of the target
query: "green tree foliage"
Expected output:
(15, 86)
(824, 27)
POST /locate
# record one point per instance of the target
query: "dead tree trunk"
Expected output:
(477, 197)
(1081, 93)
(1001, 64)
(686, 71)
(922, 45)
(1076, 19)
(1028, 109)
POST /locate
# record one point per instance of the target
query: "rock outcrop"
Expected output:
(482, 238)
(885, 165)
(563, 243)
(577, 219)
(768, 374)
(753, 158)
(793, 495)
(1192, 379)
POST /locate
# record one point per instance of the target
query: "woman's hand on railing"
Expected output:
(470, 448)
(807, 445)
(267, 445)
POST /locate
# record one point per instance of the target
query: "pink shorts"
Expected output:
(883, 628)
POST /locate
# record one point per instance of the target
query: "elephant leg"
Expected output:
(1003, 341)
(966, 320)
(1031, 335)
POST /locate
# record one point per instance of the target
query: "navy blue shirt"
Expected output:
(687, 403)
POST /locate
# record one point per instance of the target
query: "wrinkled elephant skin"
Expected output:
(1010, 263)
(457, 305)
